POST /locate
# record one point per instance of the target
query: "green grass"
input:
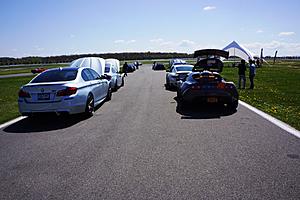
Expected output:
(276, 92)
(9, 88)
(26, 69)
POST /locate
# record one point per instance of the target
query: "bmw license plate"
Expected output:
(212, 100)
(43, 96)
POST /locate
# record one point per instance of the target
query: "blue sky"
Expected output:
(59, 27)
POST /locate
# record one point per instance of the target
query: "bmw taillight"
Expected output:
(107, 77)
(24, 94)
(67, 92)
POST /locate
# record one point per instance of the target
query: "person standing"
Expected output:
(242, 75)
(252, 72)
(125, 68)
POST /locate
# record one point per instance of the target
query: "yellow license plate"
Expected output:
(212, 100)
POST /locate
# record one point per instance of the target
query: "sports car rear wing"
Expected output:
(211, 52)
(209, 59)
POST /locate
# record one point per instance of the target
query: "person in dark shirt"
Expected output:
(242, 75)
(125, 68)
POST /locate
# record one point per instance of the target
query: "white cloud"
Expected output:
(286, 33)
(207, 8)
(167, 43)
(38, 48)
(119, 41)
(283, 48)
(259, 31)
(186, 43)
(157, 40)
(124, 41)
(131, 41)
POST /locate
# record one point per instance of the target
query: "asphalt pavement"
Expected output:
(141, 145)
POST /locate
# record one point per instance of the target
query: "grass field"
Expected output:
(276, 92)
(26, 68)
(9, 88)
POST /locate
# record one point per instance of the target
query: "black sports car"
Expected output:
(205, 84)
(158, 66)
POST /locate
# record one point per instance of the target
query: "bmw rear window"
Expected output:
(56, 76)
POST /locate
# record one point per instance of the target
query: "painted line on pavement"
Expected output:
(12, 122)
(273, 120)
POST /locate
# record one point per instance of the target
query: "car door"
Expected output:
(169, 73)
(116, 76)
(98, 85)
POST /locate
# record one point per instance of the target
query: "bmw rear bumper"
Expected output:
(67, 105)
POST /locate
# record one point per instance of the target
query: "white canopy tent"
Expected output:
(237, 50)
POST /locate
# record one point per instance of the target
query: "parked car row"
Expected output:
(202, 82)
(133, 66)
(78, 88)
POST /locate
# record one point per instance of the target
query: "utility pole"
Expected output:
(261, 56)
(275, 57)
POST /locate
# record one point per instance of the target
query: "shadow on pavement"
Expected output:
(202, 111)
(42, 123)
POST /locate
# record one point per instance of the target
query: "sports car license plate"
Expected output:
(212, 100)
(43, 96)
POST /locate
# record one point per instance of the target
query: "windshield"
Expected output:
(56, 76)
(107, 68)
(184, 68)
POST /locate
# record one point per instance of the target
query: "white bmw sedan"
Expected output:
(64, 90)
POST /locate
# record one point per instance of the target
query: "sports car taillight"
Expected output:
(24, 94)
(221, 85)
(67, 92)
(228, 86)
(195, 87)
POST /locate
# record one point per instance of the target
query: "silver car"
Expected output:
(64, 90)
(116, 79)
(176, 73)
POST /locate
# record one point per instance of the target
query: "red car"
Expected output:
(38, 70)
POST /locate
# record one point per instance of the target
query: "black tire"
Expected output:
(167, 84)
(233, 106)
(109, 94)
(90, 106)
(122, 82)
(179, 96)
(115, 87)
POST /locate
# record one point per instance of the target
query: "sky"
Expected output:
(65, 27)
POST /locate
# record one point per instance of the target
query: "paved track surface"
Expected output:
(16, 75)
(140, 145)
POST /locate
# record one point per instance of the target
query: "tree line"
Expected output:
(70, 58)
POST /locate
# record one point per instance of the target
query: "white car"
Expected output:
(64, 91)
(176, 73)
(112, 67)
(176, 62)
(95, 63)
